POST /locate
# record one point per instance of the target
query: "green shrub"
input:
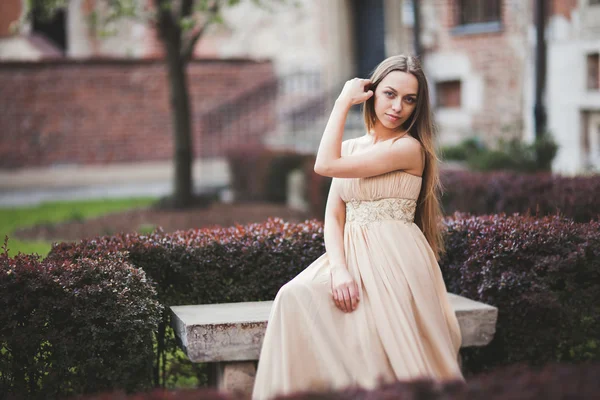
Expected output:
(511, 155)
(546, 149)
(514, 155)
(463, 150)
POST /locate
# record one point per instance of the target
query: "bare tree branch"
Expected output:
(187, 49)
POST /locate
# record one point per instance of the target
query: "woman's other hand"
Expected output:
(344, 289)
(355, 92)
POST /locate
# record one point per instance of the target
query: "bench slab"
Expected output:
(235, 331)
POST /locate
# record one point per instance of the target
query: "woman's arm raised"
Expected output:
(381, 158)
(403, 154)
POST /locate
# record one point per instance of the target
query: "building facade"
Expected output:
(479, 56)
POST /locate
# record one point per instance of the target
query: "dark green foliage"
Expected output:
(510, 155)
(463, 150)
(80, 326)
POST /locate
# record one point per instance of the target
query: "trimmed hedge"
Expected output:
(219, 265)
(212, 265)
(74, 327)
(553, 382)
(543, 275)
(505, 192)
(483, 193)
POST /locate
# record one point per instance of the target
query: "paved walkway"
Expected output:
(28, 187)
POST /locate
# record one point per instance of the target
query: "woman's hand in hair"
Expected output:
(344, 289)
(355, 91)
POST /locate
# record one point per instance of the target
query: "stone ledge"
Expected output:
(235, 331)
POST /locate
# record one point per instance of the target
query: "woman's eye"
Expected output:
(410, 100)
(388, 94)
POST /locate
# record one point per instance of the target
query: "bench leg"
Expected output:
(233, 377)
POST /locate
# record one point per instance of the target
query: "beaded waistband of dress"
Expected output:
(367, 211)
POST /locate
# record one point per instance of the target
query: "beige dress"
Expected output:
(404, 326)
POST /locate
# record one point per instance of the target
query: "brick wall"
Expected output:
(10, 11)
(498, 57)
(103, 111)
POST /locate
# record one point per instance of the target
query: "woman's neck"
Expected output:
(380, 133)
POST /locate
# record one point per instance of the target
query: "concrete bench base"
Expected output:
(230, 336)
(233, 377)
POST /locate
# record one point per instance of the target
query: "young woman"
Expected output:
(374, 307)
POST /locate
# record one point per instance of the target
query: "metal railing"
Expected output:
(286, 113)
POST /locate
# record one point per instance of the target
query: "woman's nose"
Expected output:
(397, 105)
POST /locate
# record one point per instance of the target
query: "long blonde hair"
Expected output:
(419, 125)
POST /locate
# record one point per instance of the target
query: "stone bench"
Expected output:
(229, 336)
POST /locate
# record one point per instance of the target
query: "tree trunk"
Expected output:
(180, 108)
(539, 112)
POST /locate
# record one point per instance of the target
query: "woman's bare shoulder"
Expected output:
(409, 142)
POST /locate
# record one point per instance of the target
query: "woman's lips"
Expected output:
(392, 118)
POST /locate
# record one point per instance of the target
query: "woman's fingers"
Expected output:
(336, 298)
(345, 295)
(347, 300)
(351, 299)
(340, 300)
(353, 290)
(357, 91)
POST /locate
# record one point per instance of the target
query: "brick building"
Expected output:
(481, 64)
(479, 56)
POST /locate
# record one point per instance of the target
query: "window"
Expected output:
(477, 16)
(477, 11)
(593, 71)
(448, 94)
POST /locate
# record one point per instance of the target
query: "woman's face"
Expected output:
(395, 99)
